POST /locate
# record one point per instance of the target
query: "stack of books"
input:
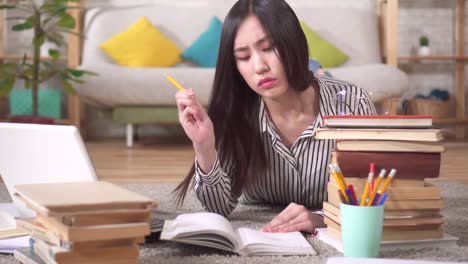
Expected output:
(85, 222)
(408, 144)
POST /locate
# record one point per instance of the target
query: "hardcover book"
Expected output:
(446, 241)
(393, 214)
(355, 164)
(95, 232)
(378, 121)
(389, 146)
(402, 134)
(428, 192)
(389, 234)
(54, 254)
(396, 182)
(75, 198)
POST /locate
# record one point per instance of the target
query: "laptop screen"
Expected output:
(31, 153)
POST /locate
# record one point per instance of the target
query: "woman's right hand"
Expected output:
(195, 121)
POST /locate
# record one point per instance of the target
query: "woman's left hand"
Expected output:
(294, 218)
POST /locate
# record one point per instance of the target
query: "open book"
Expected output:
(213, 230)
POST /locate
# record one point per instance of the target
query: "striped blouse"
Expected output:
(298, 174)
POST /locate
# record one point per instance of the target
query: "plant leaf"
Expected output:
(76, 73)
(55, 54)
(27, 83)
(66, 21)
(21, 27)
(7, 85)
(55, 38)
(40, 40)
(67, 87)
(7, 6)
(8, 66)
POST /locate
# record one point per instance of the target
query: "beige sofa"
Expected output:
(143, 95)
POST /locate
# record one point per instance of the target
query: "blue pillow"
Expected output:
(204, 51)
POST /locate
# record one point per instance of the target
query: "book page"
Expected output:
(7, 221)
(255, 242)
(213, 229)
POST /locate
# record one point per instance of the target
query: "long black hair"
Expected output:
(233, 106)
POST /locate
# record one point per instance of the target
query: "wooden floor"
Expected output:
(170, 159)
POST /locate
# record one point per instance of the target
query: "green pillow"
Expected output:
(328, 55)
(204, 51)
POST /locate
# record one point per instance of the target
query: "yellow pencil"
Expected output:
(176, 84)
(388, 180)
(339, 182)
(340, 174)
(366, 189)
(376, 187)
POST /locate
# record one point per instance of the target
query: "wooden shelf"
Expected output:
(435, 57)
(458, 57)
(17, 58)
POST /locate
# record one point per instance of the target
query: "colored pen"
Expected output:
(176, 84)
(372, 170)
(366, 189)
(383, 198)
(348, 193)
(339, 182)
(342, 199)
(353, 194)
(376, 187)
(388, 180)
(376, 199)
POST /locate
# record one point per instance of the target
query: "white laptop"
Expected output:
(31, 153)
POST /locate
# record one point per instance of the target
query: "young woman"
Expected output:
(256, 143)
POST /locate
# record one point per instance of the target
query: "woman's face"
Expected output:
(258, 61)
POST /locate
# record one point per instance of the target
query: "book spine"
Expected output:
(355, 164)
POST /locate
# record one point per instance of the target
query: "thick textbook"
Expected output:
(404, 134)
(391, 214)
(378, 121)
(355, 164)
(77, 198)
(392, 234)
(213, 230)
(428, 192)
(446, 241)
(389, 146)
(94, 232)
(54, 254)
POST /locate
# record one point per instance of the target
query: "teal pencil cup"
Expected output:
(361, 230)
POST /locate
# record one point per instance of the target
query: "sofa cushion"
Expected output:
(352, 30)
(381, 80)
(204, 51)
(116, 85)
(321, 50)
(142, 45)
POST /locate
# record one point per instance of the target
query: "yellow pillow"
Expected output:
(142, 45)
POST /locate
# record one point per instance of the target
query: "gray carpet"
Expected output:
(455, 213)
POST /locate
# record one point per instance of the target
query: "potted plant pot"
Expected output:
(424, 49)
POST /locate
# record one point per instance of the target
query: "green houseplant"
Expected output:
(424, 49)
(49, 21)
